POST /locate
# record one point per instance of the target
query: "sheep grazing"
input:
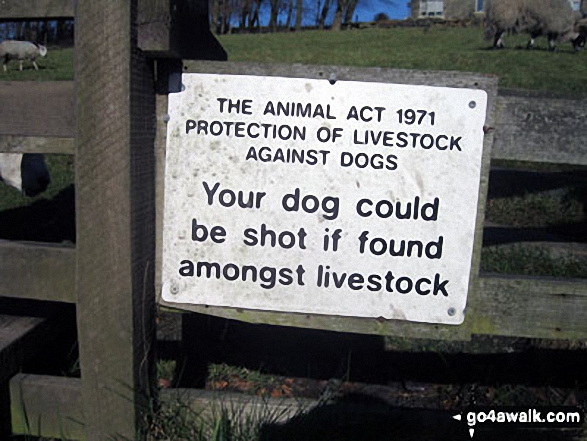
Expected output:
(21, 50)
(26, 172)
(553, 18)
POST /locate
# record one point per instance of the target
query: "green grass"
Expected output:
(535, 261)
(439, 48)
(219, 420)
(534, 210)
(57, 66)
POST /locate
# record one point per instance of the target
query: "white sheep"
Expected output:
(21, 50)
(26, 172)
(554, 18)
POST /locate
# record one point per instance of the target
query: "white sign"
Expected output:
(297, 195)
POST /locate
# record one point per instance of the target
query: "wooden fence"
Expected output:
(113, 121)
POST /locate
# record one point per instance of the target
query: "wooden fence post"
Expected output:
(115, 196)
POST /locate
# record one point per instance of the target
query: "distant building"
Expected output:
(461, 9)
(449, 9)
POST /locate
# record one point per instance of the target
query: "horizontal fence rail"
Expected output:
(36, 144)
(528, 128)
(533, 307)
(37, 271)
(30, 9)
(56, 402)
(165, 29)
(47, 406)
(540, 129)
(38, 109)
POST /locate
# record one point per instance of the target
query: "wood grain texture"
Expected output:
(541, 129)
(370, 326)
(30, 9)
(509, 306)
(177, 29)
(41, 109)
(14, 336)
(14, 331)
(19, 340)
(532, 307)
(35, 144)
(115, 217)
(37, 271)
(56, 402)
(47, 406)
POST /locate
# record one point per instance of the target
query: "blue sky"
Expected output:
(366, 9)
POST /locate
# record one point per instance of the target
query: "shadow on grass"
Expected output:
(358, 417)
(308, 353)
(363, 417)
(45, 220)
(566, 186)
(509, 182)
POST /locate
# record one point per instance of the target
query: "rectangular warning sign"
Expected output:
(341, 198)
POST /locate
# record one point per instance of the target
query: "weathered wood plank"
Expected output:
(47, 406)
(347, 73)
(40, 109)
(541, 129)
(115, 186)
(160, 141)
(369, 326)
(31, 9)
(52, 406)
(35, 144)
(509, 306)
(532, 307)
(19, 339)
(37, 271)
(177, 29)
(15, 337)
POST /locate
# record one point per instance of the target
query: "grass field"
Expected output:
(57, 66)
(435, 48)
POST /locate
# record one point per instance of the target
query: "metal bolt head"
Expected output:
(174, 289)
(451, 311)
(472, 104)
